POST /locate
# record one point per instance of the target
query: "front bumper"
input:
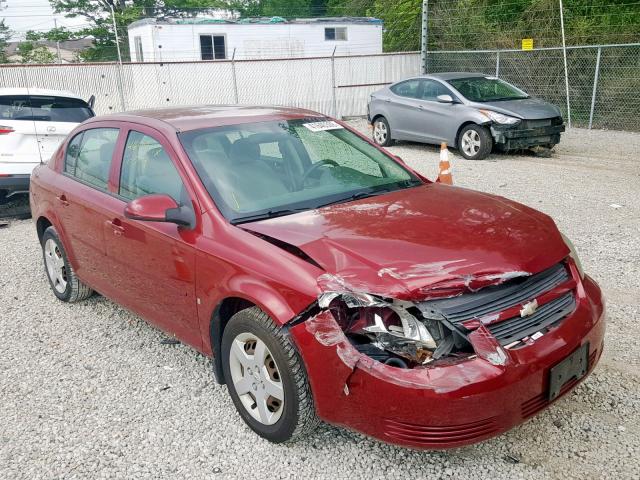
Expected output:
(527, 134)
(14, 184)
(442, 406)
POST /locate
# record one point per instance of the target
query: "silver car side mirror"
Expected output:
(445, 99)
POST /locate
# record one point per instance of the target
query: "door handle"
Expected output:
(387, 100)
(116, 227)
(62, 199)
(421, 107)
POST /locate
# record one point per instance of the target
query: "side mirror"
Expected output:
(159, 208)
(445, 99)
(92, 100)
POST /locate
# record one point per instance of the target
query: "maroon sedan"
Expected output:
(326, 278)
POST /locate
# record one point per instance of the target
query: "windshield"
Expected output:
(267, 169)
(487, 89)
(44, 108)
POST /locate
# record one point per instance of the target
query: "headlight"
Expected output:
(573, 254)
(500, 118)
(392, 329)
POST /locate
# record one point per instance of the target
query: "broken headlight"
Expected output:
(394, 332)
(499, 117)
(573, 254)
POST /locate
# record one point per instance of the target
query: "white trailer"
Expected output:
(200, 39)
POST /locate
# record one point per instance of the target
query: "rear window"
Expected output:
(44, 108)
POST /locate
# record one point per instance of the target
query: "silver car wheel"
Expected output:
(380, 132)
(256, 378)
(471, 143)
(56, 268)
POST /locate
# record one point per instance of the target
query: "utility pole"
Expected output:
(115, 30)
(424, 37)
(55, 26)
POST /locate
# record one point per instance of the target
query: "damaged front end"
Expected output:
(395, 332)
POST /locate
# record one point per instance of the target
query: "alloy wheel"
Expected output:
(380, 132)
(471, 143)
(56, 268)
(256, 378)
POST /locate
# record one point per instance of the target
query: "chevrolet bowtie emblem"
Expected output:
(529, 308)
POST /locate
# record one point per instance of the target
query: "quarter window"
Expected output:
(335, 33)
(89, 156)
(148, 169)
(212, 47)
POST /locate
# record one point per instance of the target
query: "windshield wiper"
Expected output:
(268, 214)
(355, 196)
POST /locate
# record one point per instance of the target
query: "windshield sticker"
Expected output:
(322, 126)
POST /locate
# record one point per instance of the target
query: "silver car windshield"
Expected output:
(486, 89)
(267, 169)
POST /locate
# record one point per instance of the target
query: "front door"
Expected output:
(153, 262)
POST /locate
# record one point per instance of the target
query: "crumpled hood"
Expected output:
(427, 241)
(528, 108)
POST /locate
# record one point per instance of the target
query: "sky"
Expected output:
(23, 15)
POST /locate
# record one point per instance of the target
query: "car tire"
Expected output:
(382, 132)
(249, 380)
(63, 280)
(475, 142)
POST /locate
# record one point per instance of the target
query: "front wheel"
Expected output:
(382, 132)
(266, 378)
(475, 142)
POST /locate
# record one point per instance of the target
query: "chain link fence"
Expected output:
(604, 81)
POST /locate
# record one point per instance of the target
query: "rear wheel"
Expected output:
(382, 132)
(475, 142)
(266, 379)
(63, 280)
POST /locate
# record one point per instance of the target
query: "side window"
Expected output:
(431, 89)
(89, 156)
(407, 89)
(147, 169)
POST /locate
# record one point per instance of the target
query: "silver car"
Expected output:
(470, 111)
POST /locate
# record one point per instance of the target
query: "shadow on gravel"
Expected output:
(15, 208)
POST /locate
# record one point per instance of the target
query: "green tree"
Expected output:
(32, 53)
(5, 36)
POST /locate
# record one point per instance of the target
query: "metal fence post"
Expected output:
(233, 71)
(497, 63)
(333, 83)
(424, 37)
(120, 83)
(595, 87)
(566, 73)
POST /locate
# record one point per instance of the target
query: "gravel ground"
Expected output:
(90, 391)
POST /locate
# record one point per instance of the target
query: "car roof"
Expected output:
(39, 91)
(207, 116)
(453, 75)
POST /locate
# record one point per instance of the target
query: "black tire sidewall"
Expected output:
(50, 233)
(282, 430)
(486, 142)
(388, 140)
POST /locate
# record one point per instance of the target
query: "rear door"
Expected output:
(83, 200)
(402, 106)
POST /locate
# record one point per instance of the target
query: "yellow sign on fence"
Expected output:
(527, 44)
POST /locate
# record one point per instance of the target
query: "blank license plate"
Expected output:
(574, 366)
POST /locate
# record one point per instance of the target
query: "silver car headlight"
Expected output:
(573, 254)
(500, 117)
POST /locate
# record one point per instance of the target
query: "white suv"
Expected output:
(33, 122)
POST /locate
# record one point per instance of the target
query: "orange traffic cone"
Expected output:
(445, 168)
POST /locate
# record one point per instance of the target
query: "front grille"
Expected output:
(517, 328)
(495, 299)
(428, 435)
(544, 122)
